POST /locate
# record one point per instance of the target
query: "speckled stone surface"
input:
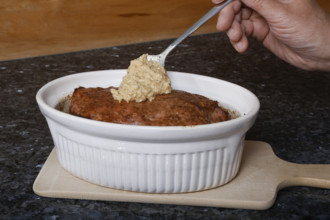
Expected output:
(294, 118)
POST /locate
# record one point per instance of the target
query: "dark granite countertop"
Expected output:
(294, 119)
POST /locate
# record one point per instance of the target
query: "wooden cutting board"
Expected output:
(261, 176)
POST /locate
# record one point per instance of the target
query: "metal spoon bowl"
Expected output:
(162, 56)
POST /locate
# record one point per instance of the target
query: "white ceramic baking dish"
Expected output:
(172, 159)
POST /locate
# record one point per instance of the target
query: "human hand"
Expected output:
(294, 30)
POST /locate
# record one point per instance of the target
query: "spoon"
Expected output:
(160, 58)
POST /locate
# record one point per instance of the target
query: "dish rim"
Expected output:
(52, 112)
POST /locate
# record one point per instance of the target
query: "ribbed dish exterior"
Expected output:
(152, 173)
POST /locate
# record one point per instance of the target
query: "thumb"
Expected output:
(217, 1)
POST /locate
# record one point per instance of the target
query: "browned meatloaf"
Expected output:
(177, 108)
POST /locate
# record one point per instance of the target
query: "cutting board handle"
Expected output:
(313, 175)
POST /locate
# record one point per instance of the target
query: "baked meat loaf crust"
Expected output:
(178, 108)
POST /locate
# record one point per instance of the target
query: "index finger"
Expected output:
(227, 15)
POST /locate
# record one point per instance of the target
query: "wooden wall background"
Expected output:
(41, 27)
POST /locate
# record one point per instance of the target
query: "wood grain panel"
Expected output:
(325, 5)
(41, 27)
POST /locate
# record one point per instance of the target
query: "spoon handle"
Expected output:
(213, 11)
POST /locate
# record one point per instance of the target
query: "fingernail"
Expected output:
(239, 45)
(217, 1)
(230, 33)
